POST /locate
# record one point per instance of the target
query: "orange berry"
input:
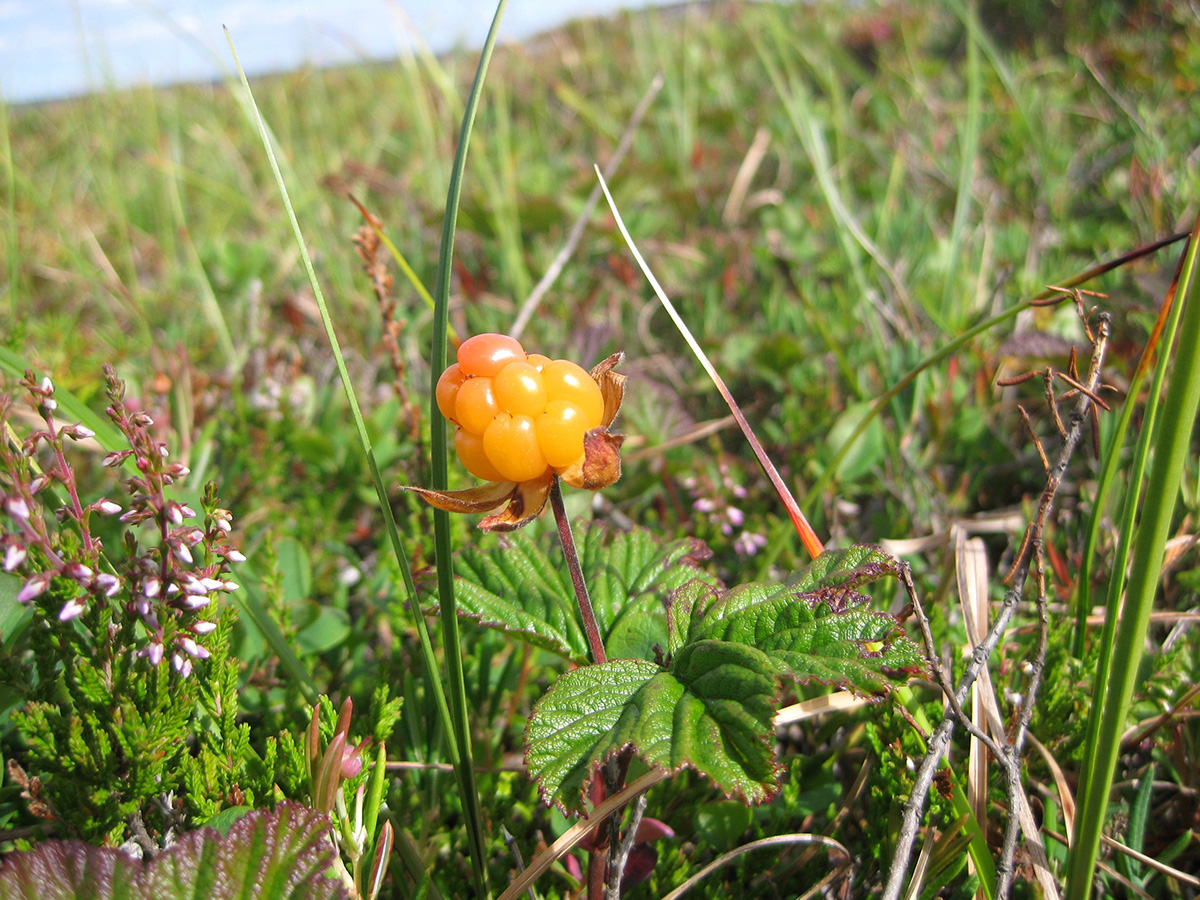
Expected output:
(476, 406)
(538, 361)
(560, 431)
(470, 453)
(519, 389)
(566, 381)
(487, 354)
(447, 388)
(511, 445)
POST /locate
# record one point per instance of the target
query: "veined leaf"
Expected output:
(711, 708)
(711, 713)
(521, 585)
(285, 854)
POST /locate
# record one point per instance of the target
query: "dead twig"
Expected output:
(1007, 749)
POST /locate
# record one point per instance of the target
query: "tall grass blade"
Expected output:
(812, 543)
(969, 141)
(463, 767)
(1171, 444)
(1162, 334)
(433, 680)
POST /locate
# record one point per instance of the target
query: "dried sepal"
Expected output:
(472, 500)
(600, 464)
(526, 503)
(612, 386)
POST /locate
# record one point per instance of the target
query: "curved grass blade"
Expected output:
(1163, 333)
(433, 678)
(812, 543)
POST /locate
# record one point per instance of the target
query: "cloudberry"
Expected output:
(518, 415)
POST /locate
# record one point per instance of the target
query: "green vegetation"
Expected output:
(852, 211)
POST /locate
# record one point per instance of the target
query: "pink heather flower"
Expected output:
(116, 458)
(187, 512)
(78, 572)
(182, 664)
(70, 610)
(38, 482)
(33, 587)
(230, 586)
(106, 507)
(152, 652)
(78, 432)
(748, 543)
(736, 516)
(212, 584)
(151, 587)
(108, 583)
(175, 513)
(182, 553)
(704, 505)
(351, 760)
(14, 555)
(203, 627)
(193, 536)
(235, 556)
(17, 508)
(191, 648)
(195, 602)
(193, 585)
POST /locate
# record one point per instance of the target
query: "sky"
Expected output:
(60, 48)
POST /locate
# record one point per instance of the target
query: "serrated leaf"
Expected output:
(284, 855)
(711, 712)
(521, 585)
(815, 625)
(711, 709)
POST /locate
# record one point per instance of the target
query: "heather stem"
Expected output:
(576, 570)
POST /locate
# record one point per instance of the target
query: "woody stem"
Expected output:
(576, 570)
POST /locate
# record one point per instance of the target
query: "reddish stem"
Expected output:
(576, 570)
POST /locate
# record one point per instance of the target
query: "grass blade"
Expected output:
(463, 767)
(433, 680)
(812, 543)
(1162, 491)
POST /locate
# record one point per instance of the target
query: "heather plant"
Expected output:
(118, 620)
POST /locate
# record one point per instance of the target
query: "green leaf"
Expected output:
(712, 712)
(284, 855)
(327, 630)
(294, 569)
(521, 586)
(711, 708)
(855, 458)
(14, 616)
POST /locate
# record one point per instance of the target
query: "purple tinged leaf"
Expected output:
(283, 855)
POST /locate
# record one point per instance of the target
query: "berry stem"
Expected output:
(576, 570)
